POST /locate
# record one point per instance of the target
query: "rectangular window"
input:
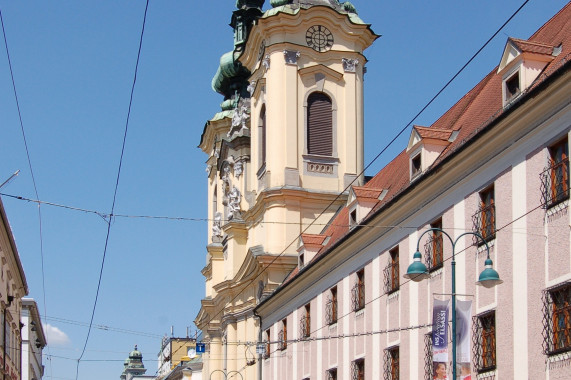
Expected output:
(332, 374)
(282, 335)
(391, 371)
(512, 86)
(555, 178)
(358, 370)
(485, 342)
(434, 248)
(267, 348)
(415, 166)
(305, 322)
(557, 319)
(485, 218)
(358, 292)
(353, 218)
(392, 271)
(319, 124)
(428, 357)
(331, 307)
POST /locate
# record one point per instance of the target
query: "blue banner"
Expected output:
(440, 338)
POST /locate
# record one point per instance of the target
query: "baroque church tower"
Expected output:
(287, 142)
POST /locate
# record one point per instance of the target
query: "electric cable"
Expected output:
(29, 165)
(101, 327)
(540, 206)
(105, 217)
(116, 189)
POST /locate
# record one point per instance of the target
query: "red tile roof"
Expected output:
(311, 239)
(532, 47)
(433, 133)
(366, 192)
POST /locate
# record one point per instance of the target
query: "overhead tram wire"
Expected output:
(105, 216)
(376, 332)
(101, 327)
(382, 151)
(115, 191)
(29, 165)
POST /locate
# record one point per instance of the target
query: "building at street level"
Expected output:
(285, 145)
(13, 287)
(33, 341)
(494, 166)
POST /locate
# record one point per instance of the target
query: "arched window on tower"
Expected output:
(262, 136)
(319, 124)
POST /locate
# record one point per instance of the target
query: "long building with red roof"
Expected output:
(488, 180)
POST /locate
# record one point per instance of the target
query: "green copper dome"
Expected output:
(135, 354)
(349, 7)
(279, 3)
(230, 76)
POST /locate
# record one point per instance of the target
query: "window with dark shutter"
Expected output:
(319, 124)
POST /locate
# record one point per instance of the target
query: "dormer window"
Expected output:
(512, 87)
(309, 245)
(521, 63)
(424, 147)
(415, 166)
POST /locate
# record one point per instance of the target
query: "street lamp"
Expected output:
(417, 272)
(225, 373)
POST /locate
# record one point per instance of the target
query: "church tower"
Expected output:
(281, 152)
(133, 365)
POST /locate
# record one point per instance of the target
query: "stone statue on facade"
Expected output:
(234, 204)
(240, 119)
(238, 168)
(217, 227)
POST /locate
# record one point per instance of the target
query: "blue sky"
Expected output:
(73, 65)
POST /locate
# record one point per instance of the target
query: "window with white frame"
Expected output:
(485, 217)
(331, 306)
(392, 364)
(555, 177)
(484, 338)
(557, 319)
(358, 291)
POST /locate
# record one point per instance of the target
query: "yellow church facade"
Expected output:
(282, 152)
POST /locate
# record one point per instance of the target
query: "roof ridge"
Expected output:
(541, 28)
(530, 42)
